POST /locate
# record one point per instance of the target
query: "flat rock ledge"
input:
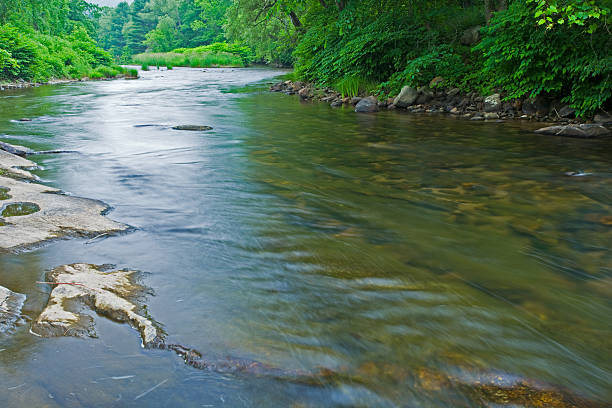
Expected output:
(10, 308)
(32, 213)
(114, 294)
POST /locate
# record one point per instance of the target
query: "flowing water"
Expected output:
(403, 252)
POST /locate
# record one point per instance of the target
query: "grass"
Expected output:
(144, 67)
(193, 60)
(353, 86)
(114, 71)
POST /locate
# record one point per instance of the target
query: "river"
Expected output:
(399, 250)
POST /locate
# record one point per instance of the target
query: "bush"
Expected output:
(191, 59)
(33, 56)
(525, 59)
(144, 67)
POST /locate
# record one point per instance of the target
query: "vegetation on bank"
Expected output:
(213, 55)
(51, 39)
(524, 48)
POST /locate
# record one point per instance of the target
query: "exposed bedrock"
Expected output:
(114, 294)
(10, 308)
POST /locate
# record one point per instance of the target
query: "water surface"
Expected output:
(390, 248)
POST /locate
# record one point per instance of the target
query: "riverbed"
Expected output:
(407, 254)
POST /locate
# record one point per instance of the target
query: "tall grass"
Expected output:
(354, 85)
(194, 59)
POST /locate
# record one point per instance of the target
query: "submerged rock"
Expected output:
(35, 213)
(582, 131)
(112, 294)
(13, 149)
(195, 128)
(10, 308)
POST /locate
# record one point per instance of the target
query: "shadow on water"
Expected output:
(394, 259)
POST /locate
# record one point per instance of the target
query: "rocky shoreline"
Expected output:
(436, 98)
(21, 84)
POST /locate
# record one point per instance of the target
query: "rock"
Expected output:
(193, 128)
(336, 104)
(477, 117)
(528, 107)
(296, 86)
(355, 100)
(471, 36)
(24, 120)
(566, 112)
(366, 105)
(56, 216)
(492, 103)
(603, 119)
(10, 308)
(16, 150)
(113, 294)
(453, 92)
(581, 131)
(391, 107)
(491, 115)
(425, 95)
(436, 82)
(406, 97)
(542, 105)
(305, 93)
(277, 87)
(455, 111)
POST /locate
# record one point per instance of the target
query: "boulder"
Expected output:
(581, 131)
(455, 111)
(336, 104)
(492, 103)
(406, 97)
(566, 112)
(453, 92)
(603, 118)
(366, 105)
(471, 36)
(425, 95)
(355, 100)
(491, 115)
(304, 93)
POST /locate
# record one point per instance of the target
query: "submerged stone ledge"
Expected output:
(10, 308)
(114, 294)
(32, 213)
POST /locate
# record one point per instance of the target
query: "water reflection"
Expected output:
(408, 256)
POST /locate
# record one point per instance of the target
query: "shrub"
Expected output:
(527, 60)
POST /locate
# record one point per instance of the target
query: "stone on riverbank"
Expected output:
(14, 166)
(10, 308)
(366, 105)
(112, 294)
(581, 131)
(492, 103)
(406, 97)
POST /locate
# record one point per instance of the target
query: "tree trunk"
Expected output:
(295, 20)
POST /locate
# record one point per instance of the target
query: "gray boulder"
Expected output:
(566, 112)
(603, 118)
(366, 105)
(471, 36)
(582, 131)
(406, 97)
(492, 103)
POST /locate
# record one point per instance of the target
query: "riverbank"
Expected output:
(21, 84)
(436, 98)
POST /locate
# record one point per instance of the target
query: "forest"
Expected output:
(526, 48)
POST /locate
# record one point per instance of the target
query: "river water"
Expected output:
(406, 253)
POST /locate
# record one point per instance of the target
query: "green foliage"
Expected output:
(587, 13)
(244, 52)
(144, 67)
(354, 85)
(526, 60)
(193, 59)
